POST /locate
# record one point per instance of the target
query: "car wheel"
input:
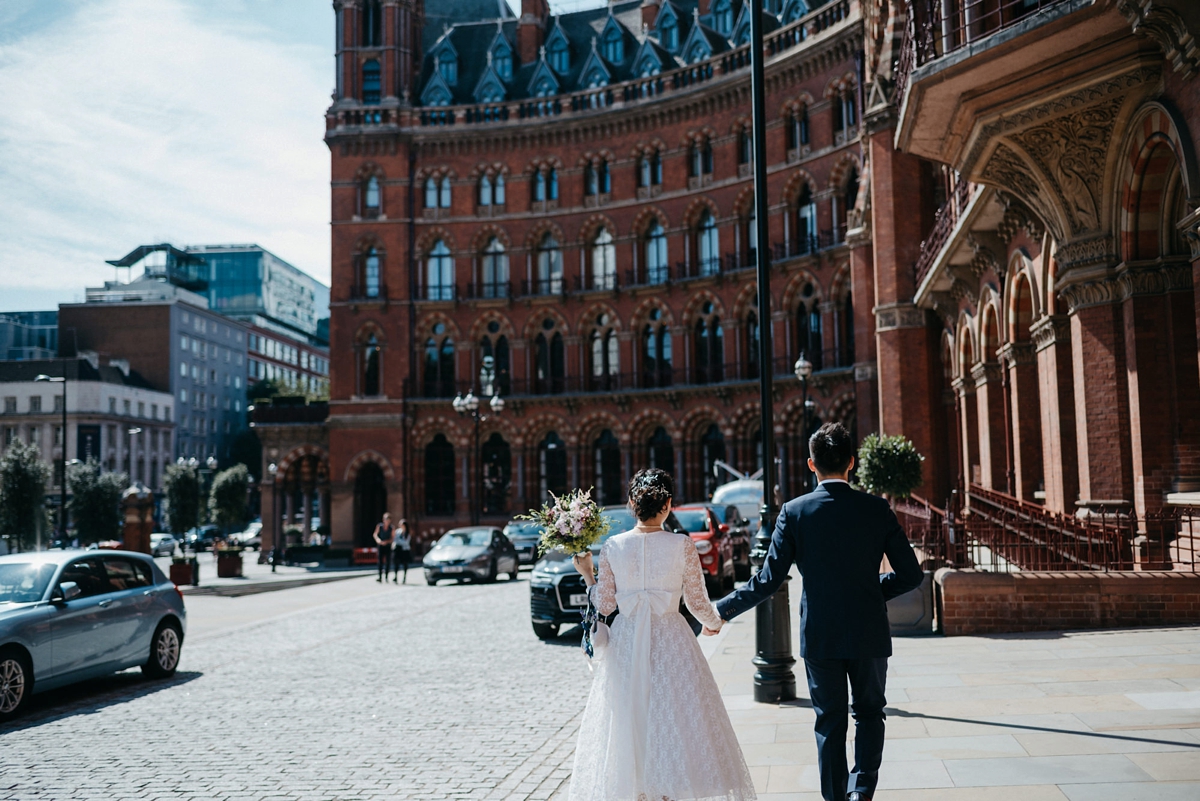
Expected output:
(164, 651)
(491, 576)
(16, 682)
(546, 631)
(432, 582)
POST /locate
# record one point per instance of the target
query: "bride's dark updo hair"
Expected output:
(650, 491)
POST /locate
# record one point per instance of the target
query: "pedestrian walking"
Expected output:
(401, 551)
(384, 534)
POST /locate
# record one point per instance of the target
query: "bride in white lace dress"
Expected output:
(655, 728)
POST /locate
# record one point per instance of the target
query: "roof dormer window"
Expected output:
(722, 17)
(448, 67)
(668, 33)
(557, 56)
(502, 63)
(614, 45)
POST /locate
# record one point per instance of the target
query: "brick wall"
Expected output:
(991, 603)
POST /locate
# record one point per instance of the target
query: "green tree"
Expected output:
(23, 477)
(182, 488)
(95, 503)
(888, 466)
(269, 388)
(227, 499)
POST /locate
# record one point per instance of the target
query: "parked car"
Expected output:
(250, 538)
(557, 594)
(163, 544)
(733, 522)
(203, 538)
(474, 552)
(524, 535)
(66, 616)
(713, 543)
(747, 495)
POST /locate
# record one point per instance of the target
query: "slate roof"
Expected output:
(77, 370)
(473, 26)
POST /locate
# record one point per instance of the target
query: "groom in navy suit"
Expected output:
(837, 537)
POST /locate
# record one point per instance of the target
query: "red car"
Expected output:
(713, 543)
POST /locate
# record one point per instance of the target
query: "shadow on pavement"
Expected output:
(91, 696)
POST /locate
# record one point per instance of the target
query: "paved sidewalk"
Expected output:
(1086, 716)
(257, 577)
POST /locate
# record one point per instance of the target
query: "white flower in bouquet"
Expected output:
(571, 523)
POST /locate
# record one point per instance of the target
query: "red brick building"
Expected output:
(981, 248)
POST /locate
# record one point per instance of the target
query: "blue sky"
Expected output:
(129, 122)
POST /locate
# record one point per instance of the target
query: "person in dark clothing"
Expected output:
(401, 551)
(837, 537)
(384, 533)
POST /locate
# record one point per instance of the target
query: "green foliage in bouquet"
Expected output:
(888, 466)
(572, 523)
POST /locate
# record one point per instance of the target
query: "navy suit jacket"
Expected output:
(837, 537)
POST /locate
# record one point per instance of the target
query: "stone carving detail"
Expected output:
(1098, 249)
(1168, 30)
(864, 371)
(985, 373)
(1190, 226)
(1017, 216)
(1014, 353)
(1157, 280)
(1091, 293)
(898, 315)
(1070, 151)
(1050, 330)
(1005, 168)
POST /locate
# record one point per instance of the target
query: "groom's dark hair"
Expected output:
(831, 448)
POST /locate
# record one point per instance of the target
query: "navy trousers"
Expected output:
(827, 682)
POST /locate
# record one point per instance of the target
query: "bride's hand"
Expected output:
(583, 563)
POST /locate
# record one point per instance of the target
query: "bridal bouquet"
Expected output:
(572, 523)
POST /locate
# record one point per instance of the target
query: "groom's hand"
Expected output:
(707, 632)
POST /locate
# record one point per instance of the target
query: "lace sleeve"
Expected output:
(604, 592)
(694, 593)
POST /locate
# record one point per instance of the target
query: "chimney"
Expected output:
(649, 12)
(531, 29)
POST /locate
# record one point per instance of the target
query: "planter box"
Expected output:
(184, 573)
(229, 565)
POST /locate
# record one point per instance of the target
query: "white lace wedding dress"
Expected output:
(655, 728)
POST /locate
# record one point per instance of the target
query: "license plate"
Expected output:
(578, 599)
(452, 569)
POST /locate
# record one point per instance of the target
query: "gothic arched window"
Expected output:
(656, 254)
(797, 130)
(444, 194)
(370, 82)
(549, 360)
(806, 223)
(557, 56)
(495, 270)
(604, 261)
(440, 273)
(808, 327)
(431, 193)
(370, 280)
(750, 357)
(661, 451)
(750, 237)
(709, 340)
(485, 191)
(722, 17)
(708, 246)
(700, 159)
(712, 448)
(656, 351)
(372, 24)
(843, 314)
(552, 466)
(439, 364)
(372, 196)
(605, 355)
(549, 266)
(614, 46)
(496, 456)
(495, 344)
(439, 477)
(669, 34)
(369, 381)
(606, 455)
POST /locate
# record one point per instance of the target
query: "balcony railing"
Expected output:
(937, 27)
(369, 292)
(943, 225)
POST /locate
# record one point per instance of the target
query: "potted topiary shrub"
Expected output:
(888, 466)
(891, 467)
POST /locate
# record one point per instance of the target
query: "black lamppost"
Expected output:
(276, 531)
(62, 473)
(774, 680)
(804, 368)
(469, 405)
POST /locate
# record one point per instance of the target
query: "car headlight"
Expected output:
(482, 559)
(703, 546)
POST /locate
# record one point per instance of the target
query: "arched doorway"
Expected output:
(606, 452)
(661, 451)
(370, 502)
(439, 477)
(712, 448)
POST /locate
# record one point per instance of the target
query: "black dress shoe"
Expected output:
(858, 797)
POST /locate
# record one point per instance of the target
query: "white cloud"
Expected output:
(134, 121)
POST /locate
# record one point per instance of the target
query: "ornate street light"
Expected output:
(803, 369)
(273, 468)
(469, 405)
(62, 479)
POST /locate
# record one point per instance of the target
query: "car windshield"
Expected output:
(24, 582)
(692, 519)
(479, 537)
(619, 520)
(738, 495)
(525, 528)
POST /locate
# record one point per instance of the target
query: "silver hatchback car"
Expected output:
(66, 616)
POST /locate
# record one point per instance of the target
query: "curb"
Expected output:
(254, 588)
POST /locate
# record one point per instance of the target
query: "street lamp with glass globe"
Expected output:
(804, 369)
(62, 478)
(276, 530)
(469, 405)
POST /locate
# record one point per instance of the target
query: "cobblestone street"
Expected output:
(363, 692)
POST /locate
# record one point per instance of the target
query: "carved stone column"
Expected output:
(989, 399)
(968, 430)
(1056, 388)
(1025, 418)
(862, 291)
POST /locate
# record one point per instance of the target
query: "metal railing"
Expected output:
(943, 225)
(995, 532)
(937, 27)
